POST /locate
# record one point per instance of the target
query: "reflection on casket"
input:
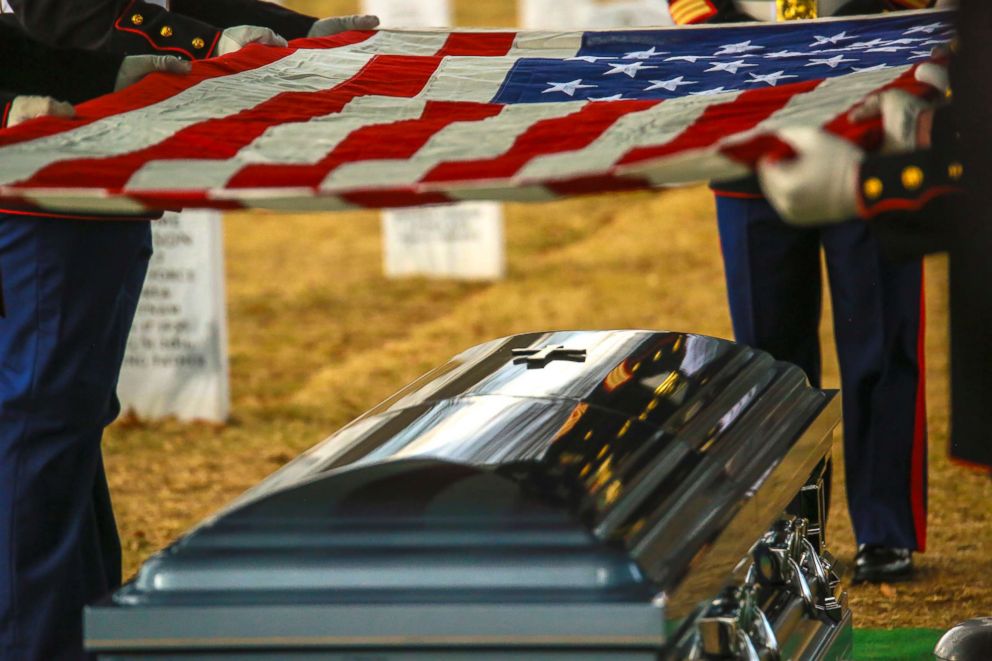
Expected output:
(622, 494)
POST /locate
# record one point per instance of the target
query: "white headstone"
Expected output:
(463, 241)
(592, 14)
(410, 13)
(176, 361)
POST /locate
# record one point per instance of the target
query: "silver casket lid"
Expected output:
(578, 473)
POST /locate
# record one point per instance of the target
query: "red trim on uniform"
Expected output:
(897, 204)
(70, 216)
(740, 195)
(6, 113)
(918, 461)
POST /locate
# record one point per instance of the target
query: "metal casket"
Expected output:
(597, 495)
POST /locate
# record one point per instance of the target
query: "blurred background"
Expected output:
(318, 335)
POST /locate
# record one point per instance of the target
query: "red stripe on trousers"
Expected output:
(384, 75)
(918, 462)
(549, 136)
(724, 119)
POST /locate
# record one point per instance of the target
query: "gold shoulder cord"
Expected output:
(794, 10)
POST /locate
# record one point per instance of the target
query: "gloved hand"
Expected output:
(328, 26)
(819, 185)
(234, 39)
(24, 108)
(136, 67)
(907, 120)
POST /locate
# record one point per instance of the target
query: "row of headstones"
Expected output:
(177, 362)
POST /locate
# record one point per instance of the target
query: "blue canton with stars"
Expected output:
(667, 64)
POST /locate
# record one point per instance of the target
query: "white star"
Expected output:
(831, 62)
(715, 90)
(867, 44)
(833, 41)
(737, 49)
(631, 69)
(934, 42)
(568, 88)
(670, 85)
(877, 67)
(689, 58)
(732, 67)
(615, 97)
(924, 29)
(784, 53)
(899, 42)
(644, 54)
(591, 59)
(769, 78)
(919, 53)
(887, 49)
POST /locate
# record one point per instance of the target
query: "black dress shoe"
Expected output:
(882, 564)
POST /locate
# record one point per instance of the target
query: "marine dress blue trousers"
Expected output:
(773, 280)
(71, 288)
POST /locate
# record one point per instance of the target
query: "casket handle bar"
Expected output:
(735, 626)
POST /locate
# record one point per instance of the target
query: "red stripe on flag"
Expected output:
(398, 140)
(550, 136)
(596, 184)
(478, 44)
(394, 198)
(222, 138)
(334, 41)
(723, 120)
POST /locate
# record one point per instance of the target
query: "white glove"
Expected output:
(819, 185)
(234, 39)
(906, 119)
(328, 26)
(136, 67)
(24, 108)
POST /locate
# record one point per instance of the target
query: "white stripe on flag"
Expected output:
(214, 98)
(463, 79)
(461, 141)
(655, 126)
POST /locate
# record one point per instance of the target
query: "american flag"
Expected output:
(405, 118)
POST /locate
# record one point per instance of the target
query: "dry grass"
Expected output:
(318, 335)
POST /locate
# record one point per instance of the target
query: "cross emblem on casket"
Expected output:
(536, 358)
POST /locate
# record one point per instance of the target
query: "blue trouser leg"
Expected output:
(71, 290)
(878, 328)
(773, 282)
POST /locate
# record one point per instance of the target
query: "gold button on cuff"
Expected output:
(199, 43)
(949, 94)
(955, 171)
(166, 31)
(137, 19)
(873, 188)
(912, 177)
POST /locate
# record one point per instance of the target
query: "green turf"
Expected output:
(895, 644)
